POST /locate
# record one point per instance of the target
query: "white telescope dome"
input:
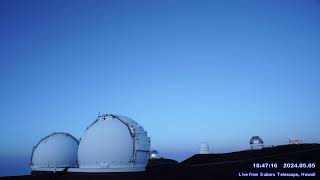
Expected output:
(256, 142)
(204, 148)
(154, 154)
(55, 152)
(113, 143)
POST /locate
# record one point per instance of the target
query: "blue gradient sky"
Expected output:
(188, 71)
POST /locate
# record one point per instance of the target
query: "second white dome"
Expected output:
(113, 143)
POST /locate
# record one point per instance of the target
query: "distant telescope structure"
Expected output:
(154, 154)
(295, 141)
(256, 142)
(113, 143)
(204, 148)
(55, 152)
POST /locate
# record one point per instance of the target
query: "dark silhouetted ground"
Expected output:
(215, 166)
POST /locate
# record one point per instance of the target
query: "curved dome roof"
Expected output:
(113, 143)
(57, 150)
(256, 140)
(154, 154)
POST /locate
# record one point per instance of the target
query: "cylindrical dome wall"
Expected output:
(113, 143)
(55, 152)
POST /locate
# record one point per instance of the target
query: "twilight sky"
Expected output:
(188, 71)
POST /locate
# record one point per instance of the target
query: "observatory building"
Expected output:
(204, 148)
(256, 142)
(295, 141)
(55, 152)
(113, 143)
(154, 154)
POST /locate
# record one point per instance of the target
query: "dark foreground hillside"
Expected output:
(280, 162)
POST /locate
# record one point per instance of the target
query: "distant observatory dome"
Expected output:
(204, 148)
(154, 154)
(113, 143)
(55, 152)
(256, 142)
